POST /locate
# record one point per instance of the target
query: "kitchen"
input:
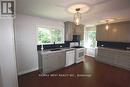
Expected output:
(73, 43)
(24, 52)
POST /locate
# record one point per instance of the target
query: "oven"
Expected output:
(79, 55)
(79, 52)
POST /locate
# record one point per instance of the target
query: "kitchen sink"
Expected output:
(56, 49)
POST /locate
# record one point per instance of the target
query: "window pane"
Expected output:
(56, 35)
(90, 39)
(50, 35)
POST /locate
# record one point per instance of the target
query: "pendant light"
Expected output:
(107, 22)
(77, 16)
(77, 10)
(107, 25)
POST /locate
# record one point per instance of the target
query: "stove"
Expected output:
(79, 52)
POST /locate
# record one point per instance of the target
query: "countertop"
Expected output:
(119, 50)
(48, 51)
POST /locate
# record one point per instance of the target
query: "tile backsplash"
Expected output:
(115, 45)
(51, 46)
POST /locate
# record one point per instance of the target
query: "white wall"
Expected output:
(26, 40)
(8, 72)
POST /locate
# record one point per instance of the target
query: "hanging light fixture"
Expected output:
(77, 16)
(78, 9)
(107, 25)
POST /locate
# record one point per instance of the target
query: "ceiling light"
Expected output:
(77, 17)
(107, 25)
(77, 10)
(108, 20)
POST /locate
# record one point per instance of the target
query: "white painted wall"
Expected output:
(26, 40)
(8, 72)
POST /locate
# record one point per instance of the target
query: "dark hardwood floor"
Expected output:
(87, 74)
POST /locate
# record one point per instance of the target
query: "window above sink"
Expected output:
(49, 35)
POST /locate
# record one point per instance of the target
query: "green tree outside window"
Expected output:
(50, 35)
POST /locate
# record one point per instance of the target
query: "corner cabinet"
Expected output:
(118, 58)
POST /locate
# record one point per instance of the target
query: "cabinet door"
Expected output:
(119, 33)
(69, 30)
(109, 56)
(124, 33)
(40, 61)
(48, 61)
(106, 56)
(101, 33)
(129, 36)
(123, 60)
(53, 61)
(79, 30)
(60, 59)
(114, 33)
(70, 57)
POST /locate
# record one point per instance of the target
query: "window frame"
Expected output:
(43, 26)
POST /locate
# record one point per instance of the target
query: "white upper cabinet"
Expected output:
(101, 33)
(117, 32)
(69, 31)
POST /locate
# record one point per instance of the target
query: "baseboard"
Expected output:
(27, 71)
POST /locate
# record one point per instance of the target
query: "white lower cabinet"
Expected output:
(70, 57)
(118, 58)
(123, 60)
(53, 61)
(105, 56)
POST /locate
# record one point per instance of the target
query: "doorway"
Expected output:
(90, 42)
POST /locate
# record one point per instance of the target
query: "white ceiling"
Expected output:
(57, 9)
